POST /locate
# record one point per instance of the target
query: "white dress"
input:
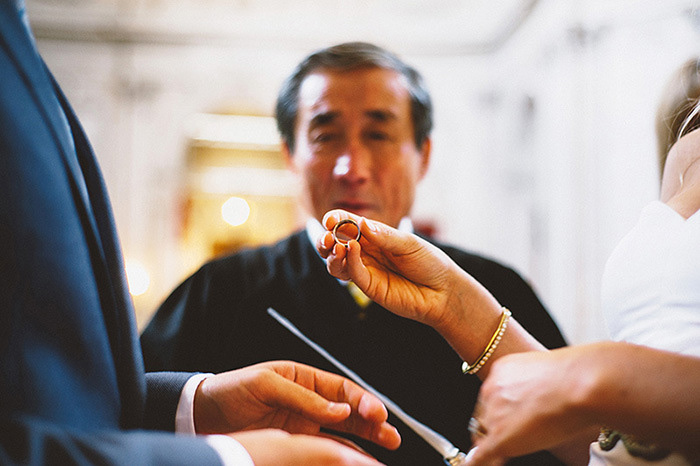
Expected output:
(651, 284)
(651, 297)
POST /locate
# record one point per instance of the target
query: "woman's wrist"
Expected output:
(453, 313)
(591, 383)
(469, 311)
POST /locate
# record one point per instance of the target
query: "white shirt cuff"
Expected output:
(184, 416)
(229, 450)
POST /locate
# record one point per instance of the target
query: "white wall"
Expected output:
(543, 150)
(545, 153)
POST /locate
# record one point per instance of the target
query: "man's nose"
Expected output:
(354, 165)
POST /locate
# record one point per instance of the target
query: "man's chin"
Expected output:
(362, 212)
(372, 214)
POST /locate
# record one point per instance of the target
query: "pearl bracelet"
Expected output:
(472, 369)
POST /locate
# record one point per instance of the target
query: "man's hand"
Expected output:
(291, 396)
(272, 447)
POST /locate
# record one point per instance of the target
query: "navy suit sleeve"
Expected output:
(27, 440)
(163, 391)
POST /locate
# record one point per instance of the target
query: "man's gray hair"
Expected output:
(350, 56)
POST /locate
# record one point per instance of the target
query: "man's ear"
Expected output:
(425, 152)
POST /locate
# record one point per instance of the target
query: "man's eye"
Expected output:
(324, 137)
(378, 136)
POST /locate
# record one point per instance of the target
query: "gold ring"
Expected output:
(346, 234)
(476, 428)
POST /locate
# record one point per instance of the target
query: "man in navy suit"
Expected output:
(72, 385)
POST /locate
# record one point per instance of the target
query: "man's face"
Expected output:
(355, 148)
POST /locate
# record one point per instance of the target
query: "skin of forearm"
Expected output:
(648, 393)
(470, 319)
(575, 451)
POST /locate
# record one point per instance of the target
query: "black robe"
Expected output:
(217, 320)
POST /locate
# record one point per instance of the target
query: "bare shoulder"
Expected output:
(680, 187)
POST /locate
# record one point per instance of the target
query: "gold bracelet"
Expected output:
(472, 369)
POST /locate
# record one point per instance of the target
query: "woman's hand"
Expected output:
(539, 400)
(536, 401)
(414, 279)
(400, 271)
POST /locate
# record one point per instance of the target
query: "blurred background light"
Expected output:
(238, 130)
(137, 276)
(235, 211)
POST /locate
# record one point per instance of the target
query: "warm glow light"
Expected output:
(235, 211)
(137, 277)
(241, 130)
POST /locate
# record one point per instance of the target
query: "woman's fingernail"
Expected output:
(329, 215)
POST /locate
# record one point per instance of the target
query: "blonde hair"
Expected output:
(681, 160)
(692, 121)
(678, 113)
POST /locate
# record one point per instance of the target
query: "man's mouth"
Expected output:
(353, 206)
